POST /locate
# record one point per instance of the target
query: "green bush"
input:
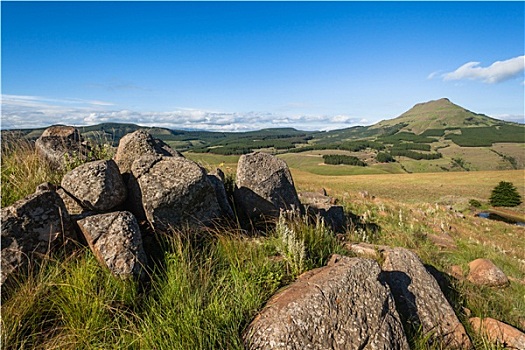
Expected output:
(383, 157)
(505, 194)
(475, 203)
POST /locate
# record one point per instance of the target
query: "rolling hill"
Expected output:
(436, 115)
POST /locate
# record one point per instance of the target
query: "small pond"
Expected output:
(496, 217)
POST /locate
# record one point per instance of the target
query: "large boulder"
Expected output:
(96, 186)
(62, 146)
(171, 191)
(499, 333)
(32, 228)
(137, 144)
(116, 241)
(483, 272)
(420, 301)
(339, 306)
(264, 185)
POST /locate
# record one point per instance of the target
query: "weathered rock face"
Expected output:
(217, 181)
(484, 272)
(60, 145)
(97, 185)
(173, 191)
(499, 333)
(31, 228)
(419, 299)
(264, 185)
(340, 306)
(139, 143)
(116, 240)
(72, 205)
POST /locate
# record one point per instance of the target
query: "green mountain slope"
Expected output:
(438, 114)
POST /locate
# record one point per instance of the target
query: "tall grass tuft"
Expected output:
(23, 170)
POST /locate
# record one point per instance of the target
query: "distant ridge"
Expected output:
(438, 114)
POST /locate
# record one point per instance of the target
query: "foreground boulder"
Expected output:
(32, 228)
(172, 192)
(483, 272)
(139, 143)
(96, 185)
(420, 301)
(116, 241)
(499, 333)
(339, 306)
(264, 185)
(61, 146)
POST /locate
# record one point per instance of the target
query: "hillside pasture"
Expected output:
(479, 158)
(414, 188)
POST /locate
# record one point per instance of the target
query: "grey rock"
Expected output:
(139, 143)
(264, 185)
(116, 241)
(172, 191)
(217, 181)
(483, 272)
(31, 228)
(315, 198)
(61, 146)
(339, 306)
(319, 204)
(96, 185)
(420, 301)
(333, 215)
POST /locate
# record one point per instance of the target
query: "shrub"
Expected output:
(474, 203)
(383, 157)
(505, 194)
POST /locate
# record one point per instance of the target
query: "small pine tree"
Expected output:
(505, 194)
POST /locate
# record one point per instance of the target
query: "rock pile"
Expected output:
(146, 180)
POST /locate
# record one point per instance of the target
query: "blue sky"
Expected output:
(249, 65)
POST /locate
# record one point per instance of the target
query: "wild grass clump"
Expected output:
(207, 293)
(23, 170)
(303, 242)
(68, 304)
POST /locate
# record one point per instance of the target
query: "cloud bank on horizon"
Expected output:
(25, 112)
(20, 112)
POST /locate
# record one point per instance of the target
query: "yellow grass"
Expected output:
(413, 188)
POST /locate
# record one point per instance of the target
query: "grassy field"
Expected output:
(414, 188)
(382, 180)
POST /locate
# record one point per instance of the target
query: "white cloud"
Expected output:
(497, 72)
(20, 112)
(433, 75)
